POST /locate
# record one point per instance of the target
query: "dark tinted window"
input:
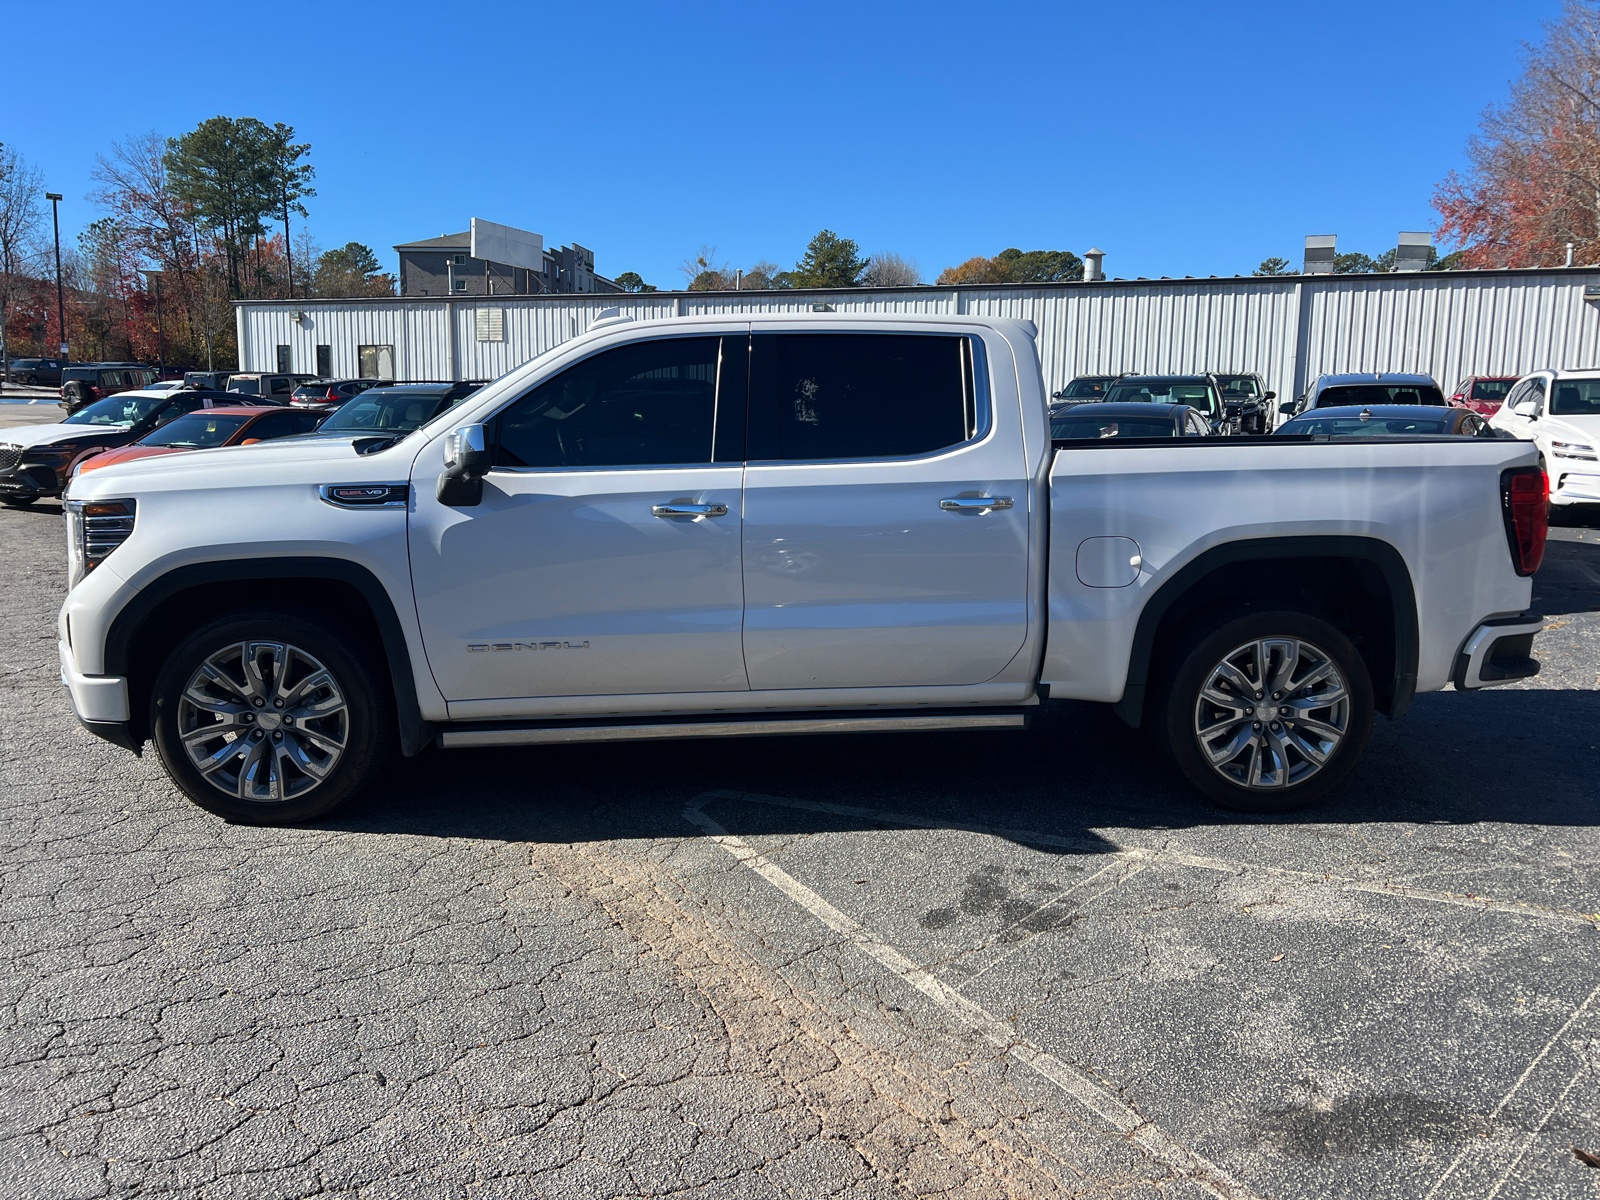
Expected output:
(398, 411)
(645, 404)
(277, 425)
(1577, 398)
(1494, 390)
(1078, 427)
(1376, 393)
(1086, 389)
(860, 395)
(1354, 427)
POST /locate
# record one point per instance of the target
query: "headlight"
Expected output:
(94, 529)
(1574, 450)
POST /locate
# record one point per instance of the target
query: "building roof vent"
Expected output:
(1093, 265)
(1319, 253)
(1412, 252)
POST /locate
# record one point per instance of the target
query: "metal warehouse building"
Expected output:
(1290, 328)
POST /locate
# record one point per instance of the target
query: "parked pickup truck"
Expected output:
(783, 524)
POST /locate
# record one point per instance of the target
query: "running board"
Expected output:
(540, 733)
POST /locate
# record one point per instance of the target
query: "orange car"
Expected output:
(208, 428)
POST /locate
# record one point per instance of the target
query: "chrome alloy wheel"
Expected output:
(263, 721)
(1272, 713)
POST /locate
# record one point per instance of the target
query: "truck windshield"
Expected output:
(196, 431)
(1578, 398)
(1196, 394)
(1111, 427)
(126, 409)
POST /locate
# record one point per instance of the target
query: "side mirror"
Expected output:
(466, 462)
(1286, 407)
(1269, 396)
(1528, 408)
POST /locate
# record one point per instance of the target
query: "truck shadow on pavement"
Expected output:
(1516, 756)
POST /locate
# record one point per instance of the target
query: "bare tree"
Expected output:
(1534, 180)
(20, 219)
(702, 273)
(892, 270)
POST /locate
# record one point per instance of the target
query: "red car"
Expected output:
(1482, 393)
(207, 429)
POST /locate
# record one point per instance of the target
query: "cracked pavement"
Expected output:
(979, 965)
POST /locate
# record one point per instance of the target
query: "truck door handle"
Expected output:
(975, 503)
(690, 510)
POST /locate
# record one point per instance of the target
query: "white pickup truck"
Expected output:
(796, 523)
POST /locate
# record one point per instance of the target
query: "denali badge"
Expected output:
(482, 647)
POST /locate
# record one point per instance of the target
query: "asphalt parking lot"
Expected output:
(966, 964)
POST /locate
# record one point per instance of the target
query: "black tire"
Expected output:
(1281, 759)
(346, 725)
(33, 381)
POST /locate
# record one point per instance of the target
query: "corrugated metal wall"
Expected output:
(1290, 329)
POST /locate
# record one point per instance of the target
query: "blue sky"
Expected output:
(1181, 138)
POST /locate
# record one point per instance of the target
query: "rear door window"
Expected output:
(274, 425)
(859, 395)
(282, 386)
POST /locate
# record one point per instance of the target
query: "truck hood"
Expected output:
(47, 435)
(287, 461)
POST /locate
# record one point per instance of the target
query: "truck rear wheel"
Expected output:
(1266, 713)
(266, 718)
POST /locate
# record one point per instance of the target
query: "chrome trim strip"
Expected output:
(460, 739)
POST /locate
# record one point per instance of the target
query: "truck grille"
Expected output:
(10, 455)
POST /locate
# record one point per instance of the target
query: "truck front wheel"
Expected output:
(267, 718)
(1265, 713)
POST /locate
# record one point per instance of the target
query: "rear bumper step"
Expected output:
(539, 733)
(1498, 651)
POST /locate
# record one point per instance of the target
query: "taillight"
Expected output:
(1525, 504)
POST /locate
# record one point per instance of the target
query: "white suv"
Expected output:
(1560, 411)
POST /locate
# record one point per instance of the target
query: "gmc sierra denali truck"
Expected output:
(784, 524)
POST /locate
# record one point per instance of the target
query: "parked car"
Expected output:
(85, 383)
(1389, 420)
(1085, 389)
(1559, 411)
(399, 408)
(868, 529)
(167, 385)
(1202, 392)
(325, 395)
(208, 429)
(278, 388)
(1483, 393)
(1390, 387)
(1247, 387)
(210, 380)
(37, 372)
(37, 460)
(1142, 420)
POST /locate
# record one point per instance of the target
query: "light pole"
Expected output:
(61, 320)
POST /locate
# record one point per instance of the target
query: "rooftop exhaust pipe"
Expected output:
(1093, 271)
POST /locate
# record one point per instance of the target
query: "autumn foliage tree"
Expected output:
(1017, 266)
(1533, 183)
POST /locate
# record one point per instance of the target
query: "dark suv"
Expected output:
(37, 372)
(210, 380)
(325, 395)
(84, 383)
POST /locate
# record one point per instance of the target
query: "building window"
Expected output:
(491, 324)
(325, 361)
(285, 360)
(461, 260)
(461, 285)
(377, 362)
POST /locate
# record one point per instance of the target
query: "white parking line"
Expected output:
(1506, 1099)
(1091, 1095)
(1520, 908)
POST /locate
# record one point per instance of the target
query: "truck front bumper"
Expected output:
(99, 701)
(1498, 651)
